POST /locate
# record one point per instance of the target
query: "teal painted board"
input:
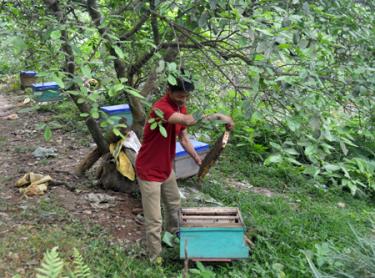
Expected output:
(48, 95)
(213, 243)
(121, 111)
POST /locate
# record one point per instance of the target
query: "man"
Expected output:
(154, 164)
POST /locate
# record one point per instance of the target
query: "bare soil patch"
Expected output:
(19, 138)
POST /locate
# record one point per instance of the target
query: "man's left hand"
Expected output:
(198, 160)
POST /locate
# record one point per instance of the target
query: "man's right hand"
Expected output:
(229, 122)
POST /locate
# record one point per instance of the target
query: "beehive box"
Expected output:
(27, 78)
(212, 234)
(47, 91)
(121, 110)
(184, 164)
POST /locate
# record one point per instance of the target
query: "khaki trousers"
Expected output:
(152, 195)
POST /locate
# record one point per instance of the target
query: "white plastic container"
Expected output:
(184, 164)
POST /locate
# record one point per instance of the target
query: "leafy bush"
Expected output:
(357, 260)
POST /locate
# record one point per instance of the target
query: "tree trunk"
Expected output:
(92, 125)
(88, 162)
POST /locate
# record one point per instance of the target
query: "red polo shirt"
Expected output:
(155, 158)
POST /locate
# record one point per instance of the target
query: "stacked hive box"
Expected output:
(212, 234)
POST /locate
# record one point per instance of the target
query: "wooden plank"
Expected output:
(210, 217)
(210, 210)
(213, 214)
(213, 155)
(211, 225)
(213, 260)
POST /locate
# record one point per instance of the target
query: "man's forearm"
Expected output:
(218, 116)
(189, 148)
(212, 117)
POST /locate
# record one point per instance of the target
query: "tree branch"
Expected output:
(136, 27)
(154, 23)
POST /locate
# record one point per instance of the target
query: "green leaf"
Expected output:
(343, 148)
(153, 125)
(168, 239)
(159, 113)
(118, 133)
(55, 35)
(172, 80)
(86, 71)
(259, 57)
(331, 167)
(310, 150)
(47, 133)
(291, 151)
(80, 100)
(151, 120)
(95, 114)
(294, 161)
(133, 92)
(119, 52)
(161, 66)
(311, 170)
(293, 125)
(275, 158)
(19, 45)
(163, 131)
(52, 265)
(59, 81)
(84, 115)
(172, 67)
(115, 89)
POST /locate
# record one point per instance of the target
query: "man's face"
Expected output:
(179, 97)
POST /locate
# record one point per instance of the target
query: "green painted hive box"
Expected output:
(46, 92)
(212, 234)
(121, 111)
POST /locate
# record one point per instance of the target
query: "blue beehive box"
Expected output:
(28, 73)
(27, 78)
(212, 234)
(121, 110)
(47, 91)
(184, 165)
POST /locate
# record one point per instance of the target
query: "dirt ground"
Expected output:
(19, 138)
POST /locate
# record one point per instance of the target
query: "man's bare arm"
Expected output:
(183, 119)
(188, 119)
(188, 146)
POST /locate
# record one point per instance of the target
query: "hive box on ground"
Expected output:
(47, 91)
(27, 78)
(212, 234)
(121, 110)
(184, 164)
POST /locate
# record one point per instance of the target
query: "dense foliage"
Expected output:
(297, 76)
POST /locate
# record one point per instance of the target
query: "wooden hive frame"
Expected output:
(210, 217)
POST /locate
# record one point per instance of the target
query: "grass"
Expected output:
(65, 116)
(298, 217)
(3, 142)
